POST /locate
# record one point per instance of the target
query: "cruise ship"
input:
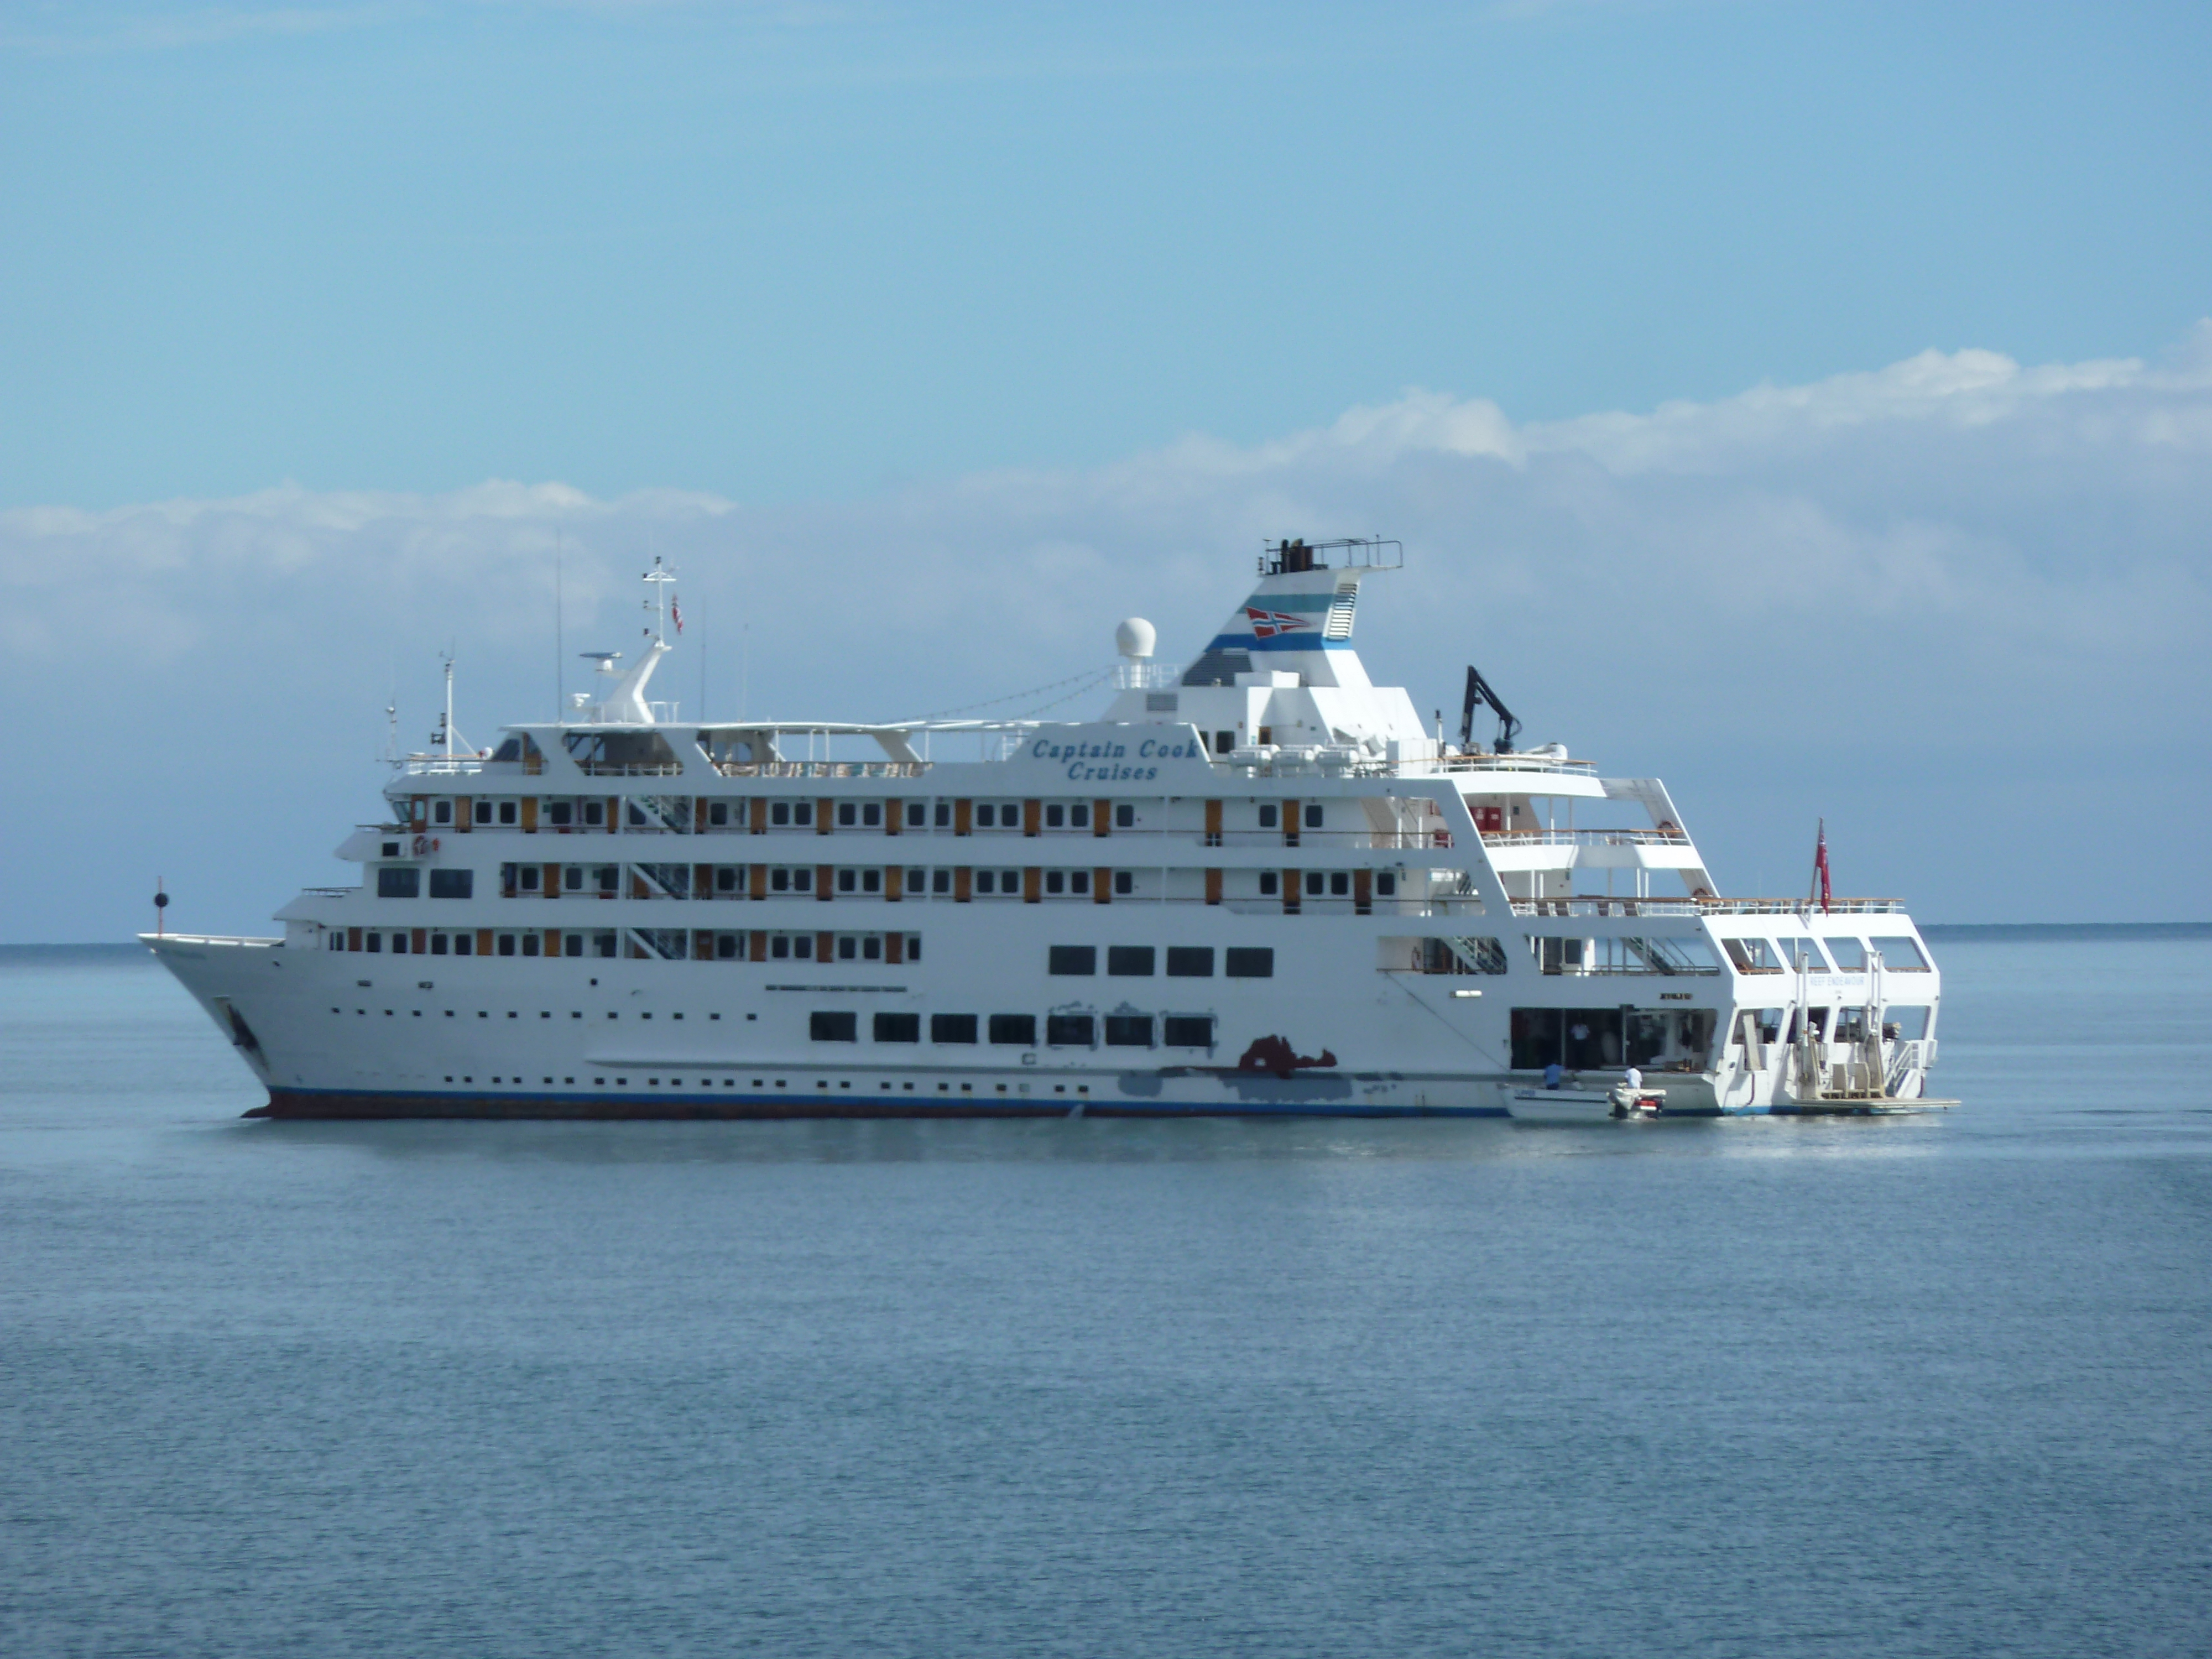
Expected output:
(1254, 885)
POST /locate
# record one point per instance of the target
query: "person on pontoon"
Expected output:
(1553, 1073)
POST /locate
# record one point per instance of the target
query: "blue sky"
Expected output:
(1780, 394)
(799, 250)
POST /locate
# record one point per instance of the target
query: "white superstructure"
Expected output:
(1255, 885)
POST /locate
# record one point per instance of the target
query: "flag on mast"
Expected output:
(675, 614)
(1821, 865)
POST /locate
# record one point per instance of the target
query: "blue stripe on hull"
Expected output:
(326, 1103)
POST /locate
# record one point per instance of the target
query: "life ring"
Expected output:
(421, 845)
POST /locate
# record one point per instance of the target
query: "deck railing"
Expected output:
(1594, 906)
(1584, 838)
(794, 768)
(1800, 907)
(1536, 763)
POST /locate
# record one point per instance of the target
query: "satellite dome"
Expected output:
(1135, 637)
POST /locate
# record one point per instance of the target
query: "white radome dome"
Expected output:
(1135, 637)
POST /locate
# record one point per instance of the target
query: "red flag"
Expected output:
(1267, 623)
(676, 615)
(1821, 865)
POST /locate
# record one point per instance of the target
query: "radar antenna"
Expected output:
(1478, 691)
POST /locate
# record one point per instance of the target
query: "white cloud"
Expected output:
(1956, 568)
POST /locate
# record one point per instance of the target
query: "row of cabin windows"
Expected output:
(405, 881)
(860, 881)
(919, 815)
(486, 942)
(1019, 1031)
(606, 942)
(591, 813)
(507, 809)
(1326, 884)
(1183, 961)
(824, 947)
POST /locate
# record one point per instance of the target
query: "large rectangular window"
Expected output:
(452, 884)
(838, 1027)
(898, 1027)
(1068, 1030)
(1073, 959)
(952, 1028)
(1190, 962)
(1249, 962)
(1600, 1039)
(1901, 951)
(1130, 961)
(1849, 953)
(1190, 1031)
(1014, 1031)
(1129, 1030)
(1792, 949)
(1537, 1038)
(399, 881)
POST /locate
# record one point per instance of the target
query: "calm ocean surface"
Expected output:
(1933, 1386)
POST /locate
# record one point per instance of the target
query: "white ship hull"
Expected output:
(344, 1035)
(1260, 891)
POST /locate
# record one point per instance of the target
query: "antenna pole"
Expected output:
(559, 685)
(660, 579)
(449, 709)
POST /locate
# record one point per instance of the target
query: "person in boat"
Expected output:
(1553, 1073)
(1628, 1092)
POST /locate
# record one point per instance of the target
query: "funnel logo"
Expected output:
(1268, 623)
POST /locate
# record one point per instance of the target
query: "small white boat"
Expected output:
(1585, 1105)
(1561, 1105)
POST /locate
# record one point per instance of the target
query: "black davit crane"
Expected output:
(1478, 691)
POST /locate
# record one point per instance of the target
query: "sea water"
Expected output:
(1934, 1385)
